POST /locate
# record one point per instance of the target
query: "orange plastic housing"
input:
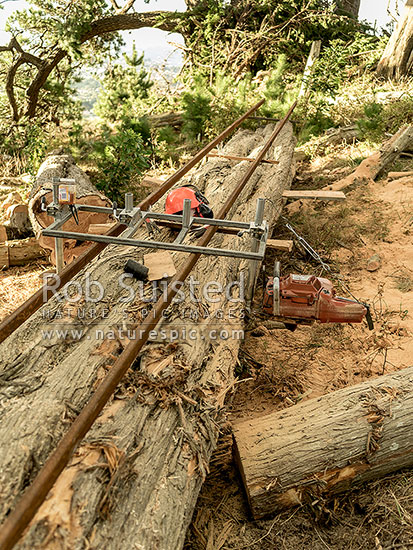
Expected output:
(312, 298)
(67, 194)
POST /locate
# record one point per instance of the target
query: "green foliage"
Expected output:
(372, 123)
(315, 119)
(196, 106)
(397, 113)
(28, 144)
(164, 144)
(243, 36)
(124, 89)
(53, 24)
(209, 107)
(35, 150)
(121, 157)
(333, 70)
(280, 91)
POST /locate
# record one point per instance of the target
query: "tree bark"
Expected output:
(314, 450)
(349, 7)
(397, 58)
(134, 481)
(63, 166)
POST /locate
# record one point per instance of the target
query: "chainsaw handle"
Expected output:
(369, 318)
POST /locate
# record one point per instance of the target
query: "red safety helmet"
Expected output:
(175, 200)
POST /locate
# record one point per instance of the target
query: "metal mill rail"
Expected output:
(20, 517)
(30, 306)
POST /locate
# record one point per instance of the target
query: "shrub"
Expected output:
(121, 157)
(372, 125)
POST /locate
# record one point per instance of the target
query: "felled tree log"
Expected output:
(314, 450)
(165, 119)
(18, 225)
(20, 252)
(134, 481)
(371, 167)
(60, 165)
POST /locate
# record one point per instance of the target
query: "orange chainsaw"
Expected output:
(307, 298)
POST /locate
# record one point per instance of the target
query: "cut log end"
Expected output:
(64, 166)
(328, 445)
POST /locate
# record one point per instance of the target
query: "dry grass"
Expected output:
(17, 284)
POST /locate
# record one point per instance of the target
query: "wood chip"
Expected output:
(276, 244)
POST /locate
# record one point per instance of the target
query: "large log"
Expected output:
(324, 446)
(151, 447)
(372, 166)
(61, 165)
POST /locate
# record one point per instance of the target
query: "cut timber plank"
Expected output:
(319, 195)
(327, 445)
(100, 228)
(275, 244)
(233, 157)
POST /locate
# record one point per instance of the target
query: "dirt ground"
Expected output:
(279, 368)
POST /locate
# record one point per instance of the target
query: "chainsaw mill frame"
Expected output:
(134, 218)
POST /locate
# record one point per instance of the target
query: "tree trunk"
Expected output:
(166, 119)
(18, 225)
(134, 481)
(324, 446)
(349, 7)
(58, 165)
(397, 58)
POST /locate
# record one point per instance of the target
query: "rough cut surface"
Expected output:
(327, 445)
(134, 481)
(60, 165)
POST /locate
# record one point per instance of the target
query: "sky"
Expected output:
(157, 44)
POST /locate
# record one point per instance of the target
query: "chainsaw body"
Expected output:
(309, 298)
